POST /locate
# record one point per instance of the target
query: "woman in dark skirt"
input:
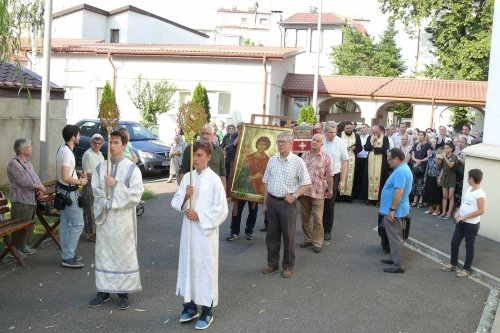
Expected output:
(419, 156)
(433, 194)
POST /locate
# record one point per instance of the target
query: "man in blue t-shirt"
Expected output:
(395, 206)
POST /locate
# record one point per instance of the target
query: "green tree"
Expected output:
(307, 115)
(16, 18)
(354, 56)
(151, 98)
(387, 60)
(108, 109)
(459, 117)
(200, 96)
(461, 35)
(411, 13)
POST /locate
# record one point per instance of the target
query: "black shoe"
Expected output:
(122, 303)
(387, 261)
(78, 257)
(72, 263)
(189, 313)
(232, 237)
(305, 244)
(328, 236)
(248, 237)
(316, 249)
(263, 229)
(98, 300)
(394, 270)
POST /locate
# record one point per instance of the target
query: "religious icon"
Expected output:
(256, 146)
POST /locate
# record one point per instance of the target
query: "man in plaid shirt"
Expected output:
(312, 202)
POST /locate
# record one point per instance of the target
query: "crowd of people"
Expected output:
(394, 169)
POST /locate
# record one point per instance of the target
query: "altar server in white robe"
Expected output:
(115, 199)
(197, 277)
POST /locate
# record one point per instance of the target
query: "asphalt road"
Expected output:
(342, 289)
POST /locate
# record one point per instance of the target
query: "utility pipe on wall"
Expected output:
(264, 98)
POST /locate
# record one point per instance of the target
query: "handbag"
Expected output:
(61, 200)
(418, 169)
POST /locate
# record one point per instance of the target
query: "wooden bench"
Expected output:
(7, 227)
(48, 198)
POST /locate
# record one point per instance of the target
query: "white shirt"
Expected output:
(469, 204)
(284, 177)
(363, 153)
(395, 140)
(337, 149)
(91, 159)
(65, 157)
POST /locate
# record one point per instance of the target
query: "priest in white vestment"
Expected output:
(115, 199)
(197, 277)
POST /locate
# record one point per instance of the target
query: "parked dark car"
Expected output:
(152, 153)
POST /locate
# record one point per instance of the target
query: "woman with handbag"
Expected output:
(23, 182)
(433, 194)
(419, 157)
(448, 179)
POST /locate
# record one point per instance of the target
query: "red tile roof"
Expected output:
(203, 51)
(312, 19)
(381, 88)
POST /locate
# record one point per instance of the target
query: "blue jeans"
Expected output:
(71, 227)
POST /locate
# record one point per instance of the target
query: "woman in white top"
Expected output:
(467, 220)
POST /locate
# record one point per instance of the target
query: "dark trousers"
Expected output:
(360, 184)
(239, 205)
(329, 208)
(281, 222)
(469, 232)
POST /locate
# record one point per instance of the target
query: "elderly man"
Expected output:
(360, 190)
(336, 148)
(377, 145)
(395, 139)
(353, 143)
(311, 203)
(216, 162)
(91, 158)
(285, 180)
(395, 206)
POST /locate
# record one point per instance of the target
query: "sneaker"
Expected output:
(28, 250)
(248, 236)
(98, 300)
(189, 313)
(122, 303)
(232, 237)
(78, 257)
(72, 263)
(21, 254)
(204, 321)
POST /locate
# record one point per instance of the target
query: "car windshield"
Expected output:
(139, 133)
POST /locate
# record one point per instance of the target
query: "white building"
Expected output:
(240, 81)
(126, 24)
(301, 30)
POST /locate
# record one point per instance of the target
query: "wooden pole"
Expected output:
(108, 162)
(191, 172)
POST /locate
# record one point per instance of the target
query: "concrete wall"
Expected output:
(18, 118)
(68, 26)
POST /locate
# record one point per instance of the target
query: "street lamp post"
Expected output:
(316, 72)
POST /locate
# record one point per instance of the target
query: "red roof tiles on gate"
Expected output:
(381, 88)
(311, 18)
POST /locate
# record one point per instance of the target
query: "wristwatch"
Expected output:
(392, 209)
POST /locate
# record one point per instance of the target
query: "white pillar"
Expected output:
(486, 156)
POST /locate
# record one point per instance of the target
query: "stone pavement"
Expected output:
(342, 289)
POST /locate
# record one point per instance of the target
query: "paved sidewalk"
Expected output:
(342, 289)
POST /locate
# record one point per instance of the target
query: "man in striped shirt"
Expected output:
(285, 180)
(312, 202)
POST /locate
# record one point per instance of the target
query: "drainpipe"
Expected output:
(264, 62)
(110, 59)
(432, 114)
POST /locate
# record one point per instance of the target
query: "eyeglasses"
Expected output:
(281, 142)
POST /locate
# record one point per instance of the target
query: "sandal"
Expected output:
(413, 204)
(447, 217)
(463, 274)
(420, 205)
(449, 268)
(436, 213)
(428, 212)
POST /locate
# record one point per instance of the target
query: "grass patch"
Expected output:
(5, 189)
(148, 194)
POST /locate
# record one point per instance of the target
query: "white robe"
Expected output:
(198, 273)
(116, 264)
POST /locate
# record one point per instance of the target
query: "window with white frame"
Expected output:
(220, 102)
(184, 97)
(98, 95)
(114, 36)
(290, 37)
